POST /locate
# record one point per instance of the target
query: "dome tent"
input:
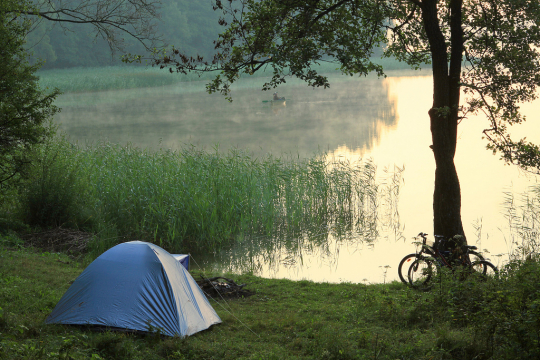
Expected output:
(136, 285)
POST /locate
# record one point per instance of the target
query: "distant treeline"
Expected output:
(188, 25)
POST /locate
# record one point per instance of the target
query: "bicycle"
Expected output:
(429, 249)
(425, 268)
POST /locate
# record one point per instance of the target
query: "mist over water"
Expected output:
(383, 119)
(311, 120)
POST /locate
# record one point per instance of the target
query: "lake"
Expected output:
(382, 119)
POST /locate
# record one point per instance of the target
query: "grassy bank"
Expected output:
(287, 320)
(193, 200)
(130, 77)
(109, 78)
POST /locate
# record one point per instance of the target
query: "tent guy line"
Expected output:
(222, 298)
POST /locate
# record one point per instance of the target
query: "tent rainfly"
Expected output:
(136, 285)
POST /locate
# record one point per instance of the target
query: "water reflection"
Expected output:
(383, 119)
(341, 250)
(352, 113)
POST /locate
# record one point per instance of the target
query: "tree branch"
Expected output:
(109, 17)
(407, 20)
(328, 10)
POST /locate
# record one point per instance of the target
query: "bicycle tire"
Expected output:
(476, 259)
(490, 270)
(478, 256)
(421, 272)
(406, 260)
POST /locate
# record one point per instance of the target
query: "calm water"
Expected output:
(383, 119)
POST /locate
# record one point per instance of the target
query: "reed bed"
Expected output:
(194, 200)
(81, 79)
(84, 79)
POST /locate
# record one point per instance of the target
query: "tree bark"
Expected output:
(444, 116)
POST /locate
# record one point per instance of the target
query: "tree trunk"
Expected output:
(444, 117)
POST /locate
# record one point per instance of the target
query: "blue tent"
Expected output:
(136, 285)
(183, 259)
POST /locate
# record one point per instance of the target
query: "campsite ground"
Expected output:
(282, 320)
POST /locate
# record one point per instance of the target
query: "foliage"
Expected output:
(288, 37)
(487, 48)
(503, 70)
(24, 106)
(502, 313)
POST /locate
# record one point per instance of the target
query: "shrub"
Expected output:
(54, 193)
(503, 313)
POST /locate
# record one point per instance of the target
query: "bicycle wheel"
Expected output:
(406, 261)
(474, 256)
(476, 259)
(421, 272)
(490, 271)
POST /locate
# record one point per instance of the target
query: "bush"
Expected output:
(54, 193)
(10, 240)
(503, 313)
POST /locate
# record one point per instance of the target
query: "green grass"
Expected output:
(286, 319)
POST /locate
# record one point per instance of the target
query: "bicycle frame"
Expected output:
(440, 257)
(436, 254)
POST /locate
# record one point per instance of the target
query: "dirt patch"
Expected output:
(74, 242)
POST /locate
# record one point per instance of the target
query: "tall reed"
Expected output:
(523, 222)
(194, 200)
